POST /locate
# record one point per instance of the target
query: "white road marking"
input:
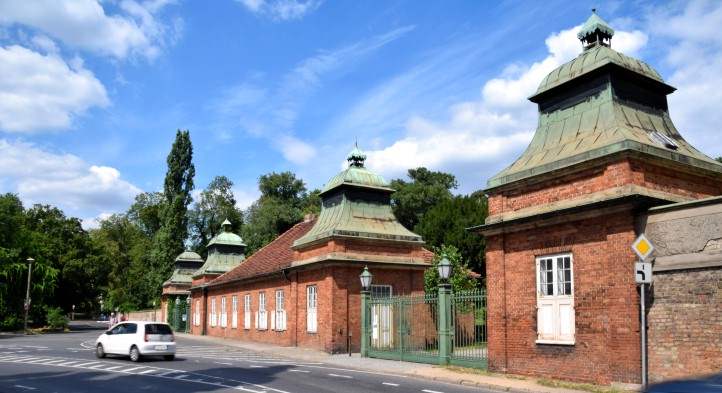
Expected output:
(25, 387)
(97, 365)
(294, 370)
(340, 376)
(223, 363)
(148, 371)
(34, 346)
(254, 366)
(85, 364)
(132, 369)
(389, 384)
(114, 367)
(431, 391)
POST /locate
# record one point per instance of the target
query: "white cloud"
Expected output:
(272, 112)
(692, 46)
(84, 24)
(43, 92)
(63, 180)
(481, 134)
(245, 198)
(281, 10)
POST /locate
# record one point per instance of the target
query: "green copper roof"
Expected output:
(593, 24)
(226, 237)
(598, 122)
(360, 216)
(591, 60)
(357, 175)
(185, 264)
(218, 263)
(189, 256)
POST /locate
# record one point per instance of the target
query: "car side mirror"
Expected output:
(109, 332)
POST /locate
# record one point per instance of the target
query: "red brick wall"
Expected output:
(685, 324)
(338, 292)
(364, 247)
(615, 174)
(605, 301)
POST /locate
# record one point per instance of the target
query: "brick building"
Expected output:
(179, 284)
(561, 293)
(303, 288)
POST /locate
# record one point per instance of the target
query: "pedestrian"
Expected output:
(112, 320)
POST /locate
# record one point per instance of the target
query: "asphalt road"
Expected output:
(66, 363)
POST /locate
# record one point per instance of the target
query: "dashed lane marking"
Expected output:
(294, 370)
(389, 384)
(340, 376)
(25, 387)
(431, 391)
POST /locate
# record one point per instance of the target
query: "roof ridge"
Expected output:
(251, 257)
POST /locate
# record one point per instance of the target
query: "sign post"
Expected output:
(643, 276)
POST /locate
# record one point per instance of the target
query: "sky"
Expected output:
(92, 92)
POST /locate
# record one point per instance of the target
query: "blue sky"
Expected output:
(91, 94)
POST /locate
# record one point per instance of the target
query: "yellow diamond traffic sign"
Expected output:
(642, 247)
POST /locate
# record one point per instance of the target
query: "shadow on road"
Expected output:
(202, 380)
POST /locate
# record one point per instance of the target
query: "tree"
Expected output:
(215, 204)
(719, 159)
(146, 212)
(412, 199)
(282, 204)
(462, 278)
(447, 223)
(171, 237)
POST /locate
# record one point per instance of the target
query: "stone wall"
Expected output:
(685, 306)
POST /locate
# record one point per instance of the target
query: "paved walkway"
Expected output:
(418, 370)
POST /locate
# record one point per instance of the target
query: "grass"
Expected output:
(553, 383)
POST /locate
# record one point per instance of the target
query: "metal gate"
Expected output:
(404, 328)
(407, 328)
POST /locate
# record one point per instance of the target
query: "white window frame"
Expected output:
(262, 315)
(311, 308)
(280, 313)
(197, 313)
(234, 312)
(555, 311)
(224, 312)
(247, 311)
(213, 311)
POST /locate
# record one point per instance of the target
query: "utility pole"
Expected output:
(27, 293)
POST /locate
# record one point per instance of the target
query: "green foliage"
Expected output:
(215, 204)
(718, 159)
(446, 223)
(56, 319)
(146, 211)
(170, 239)
(282, 204)
(460, 279)
(11, 322)
(414, 198)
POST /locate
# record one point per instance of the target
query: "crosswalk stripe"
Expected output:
(84, 364)
(132, 369)
(114, 367)
(147, 371)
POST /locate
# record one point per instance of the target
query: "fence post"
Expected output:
(364, 323)
(444, 323)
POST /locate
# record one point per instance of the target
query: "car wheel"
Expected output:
(134, 354)
(169, 357)
(100, 351)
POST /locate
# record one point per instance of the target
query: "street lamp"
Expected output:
(27, 293)
(444, 269)
(366, 278)
(188, 313)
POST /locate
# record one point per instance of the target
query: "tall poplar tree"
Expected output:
(170, 239)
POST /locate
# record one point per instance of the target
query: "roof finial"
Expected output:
(595, 31)
(226, 225)
(356, 157)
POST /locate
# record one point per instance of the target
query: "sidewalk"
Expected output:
(381, 366)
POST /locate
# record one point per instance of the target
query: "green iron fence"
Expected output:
(469, 345)
(410, 328)
(403, 328)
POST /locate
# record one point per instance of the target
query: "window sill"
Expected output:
(311, 332)
(555, 342)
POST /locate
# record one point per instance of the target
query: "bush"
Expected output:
(11, 322)
(56, 318)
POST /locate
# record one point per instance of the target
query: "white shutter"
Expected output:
(566, 319)
(545, 320)
(273, 321)
(256, 316)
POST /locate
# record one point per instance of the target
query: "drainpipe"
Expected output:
(204, 317)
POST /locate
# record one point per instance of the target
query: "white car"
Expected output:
(137, 339)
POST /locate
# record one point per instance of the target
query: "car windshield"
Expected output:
(157, 328)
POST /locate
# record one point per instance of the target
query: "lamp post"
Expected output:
(72, 314)
(154, 317)
(444, 269)
(100, 300)
(27, 293)
(176, 314)
(366, 278)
